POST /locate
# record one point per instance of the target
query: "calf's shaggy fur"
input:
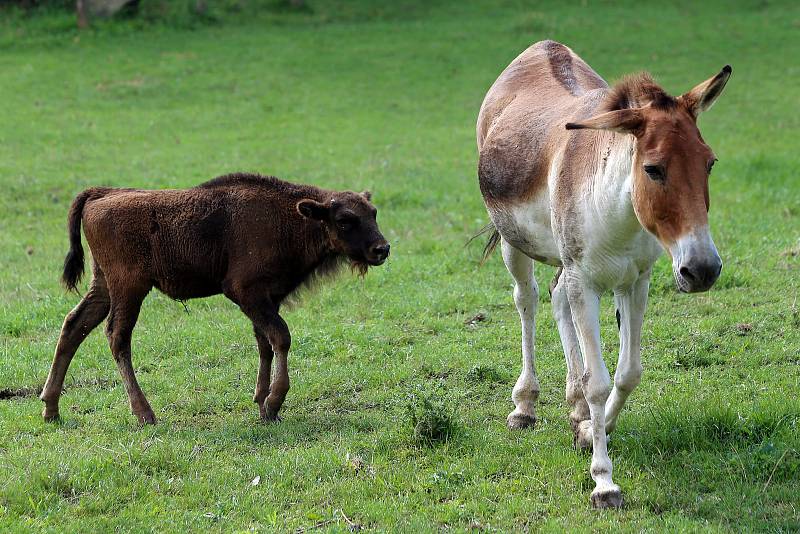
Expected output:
(253, 238)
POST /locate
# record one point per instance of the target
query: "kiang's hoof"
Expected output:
(518, 420)
(582, 438)
(610, 497)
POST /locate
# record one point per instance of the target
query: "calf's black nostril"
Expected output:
(381, 250)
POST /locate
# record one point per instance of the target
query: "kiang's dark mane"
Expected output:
(638, 90)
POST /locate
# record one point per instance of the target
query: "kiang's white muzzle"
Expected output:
(696, 264)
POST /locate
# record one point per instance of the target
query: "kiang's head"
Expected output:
(352, 226)
(671, 166)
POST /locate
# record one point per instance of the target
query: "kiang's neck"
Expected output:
(613, 186)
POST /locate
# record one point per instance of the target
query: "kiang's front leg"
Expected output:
(631, 304)
(579, 413)
(585, 305)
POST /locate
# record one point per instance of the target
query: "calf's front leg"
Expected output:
(280, 339)
(269, 327)
(265, 355)
(585, 305)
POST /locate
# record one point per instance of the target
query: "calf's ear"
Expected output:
(366, 194)
(311, 209)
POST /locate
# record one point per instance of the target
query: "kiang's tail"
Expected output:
(73, 263)
(491, 243)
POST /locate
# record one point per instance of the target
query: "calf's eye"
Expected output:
(345, 225)
(655, 172)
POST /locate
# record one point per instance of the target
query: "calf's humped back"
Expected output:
(187, 243)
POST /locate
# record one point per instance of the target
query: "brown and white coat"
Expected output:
(596, 180)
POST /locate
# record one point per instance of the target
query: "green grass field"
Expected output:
(351, 95)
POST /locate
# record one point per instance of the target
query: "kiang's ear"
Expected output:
(703, 96)
(620, 120)
(366, 194)
(312, 209)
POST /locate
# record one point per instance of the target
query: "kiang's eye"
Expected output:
(655, 172)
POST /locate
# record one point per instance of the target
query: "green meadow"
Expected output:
(384, 96)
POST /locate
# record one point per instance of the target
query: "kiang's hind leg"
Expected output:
(579, 415)
(526, 298)
(84, 318)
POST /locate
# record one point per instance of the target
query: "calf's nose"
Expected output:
(381, 250)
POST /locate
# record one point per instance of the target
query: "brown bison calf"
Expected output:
(255, 239)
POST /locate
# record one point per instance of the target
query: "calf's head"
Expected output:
(671, 166)
(351, 224)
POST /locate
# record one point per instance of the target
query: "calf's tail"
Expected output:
(73, 263)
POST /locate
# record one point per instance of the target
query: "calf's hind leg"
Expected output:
(84, 318)
(125, 306)
(526, 298)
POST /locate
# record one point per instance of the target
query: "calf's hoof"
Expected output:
(609, 497)
(517, 420)
(267, 415)
(270, 416)
(50, 414)
(582, 438)
(146, 418)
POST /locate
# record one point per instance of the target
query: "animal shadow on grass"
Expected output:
(295, 430)
(19, 393)
(28, 392)
(701, 454)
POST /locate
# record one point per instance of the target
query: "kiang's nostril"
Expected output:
(687, 274)
(712, 273)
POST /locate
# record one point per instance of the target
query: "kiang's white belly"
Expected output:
(528, 228)
(606, 260)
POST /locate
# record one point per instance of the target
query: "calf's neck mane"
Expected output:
(307, 241)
